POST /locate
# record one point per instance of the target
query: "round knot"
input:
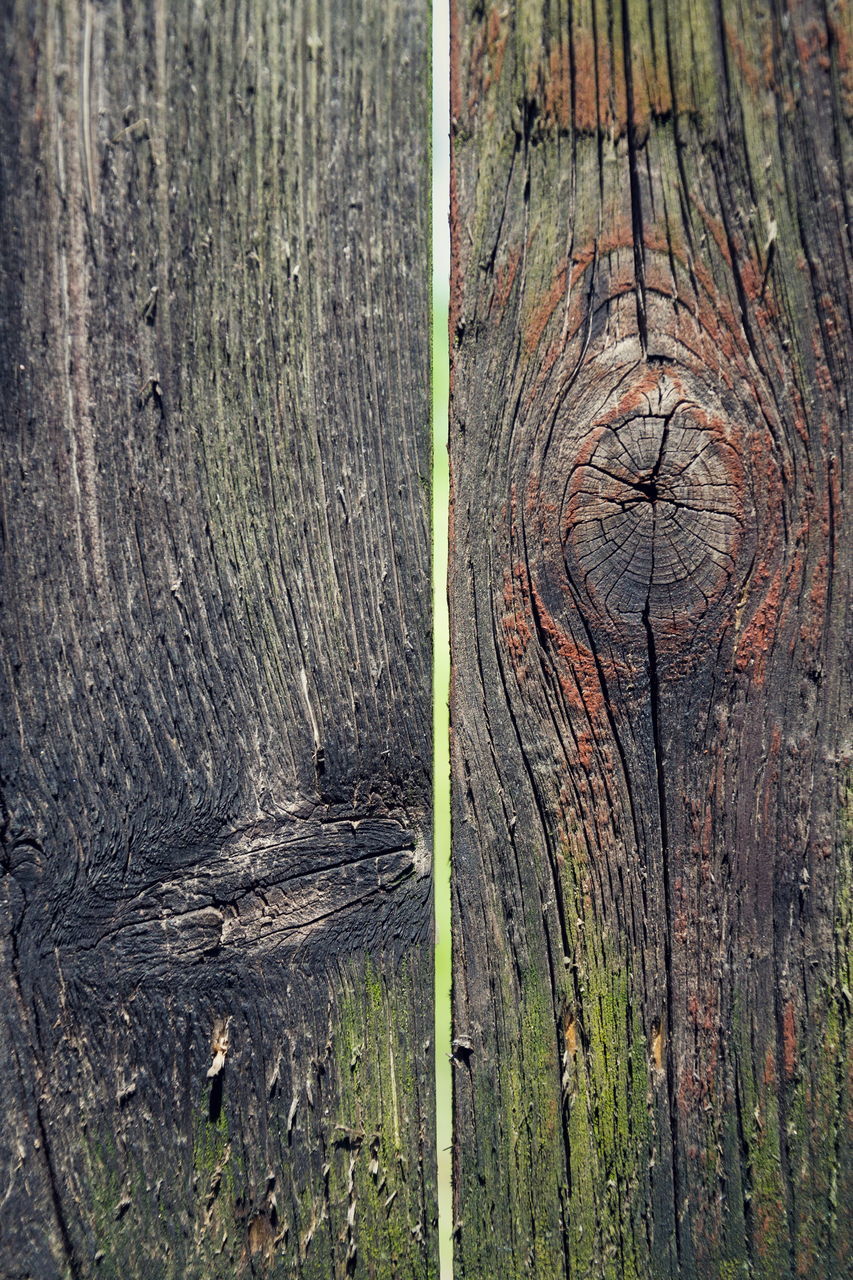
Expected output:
(653, 510)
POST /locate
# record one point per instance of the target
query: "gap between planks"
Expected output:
(441, 627)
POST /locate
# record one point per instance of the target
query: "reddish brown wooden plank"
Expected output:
(652, 330)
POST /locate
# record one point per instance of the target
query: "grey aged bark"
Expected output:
(652, 336)
(216, 753)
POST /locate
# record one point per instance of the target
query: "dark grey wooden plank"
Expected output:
(216, 744)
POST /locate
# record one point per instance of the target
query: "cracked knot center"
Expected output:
(653, 509)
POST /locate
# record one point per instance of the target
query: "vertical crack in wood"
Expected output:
(634, 185)
(56, 1193)
(660, 780)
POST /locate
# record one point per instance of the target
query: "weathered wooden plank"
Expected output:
(216, 745)
(652, 330)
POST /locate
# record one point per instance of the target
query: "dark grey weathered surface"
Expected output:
(215, 705)
(649, 581)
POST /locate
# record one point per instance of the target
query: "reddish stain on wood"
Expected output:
(543, 310)
(598, 84)
(715, 227)
(586, 114)
(514, 622)
(583, 693)
(755, 641)
(635, 398)
(570, 1035)
(505, 275)
(812, 43)
(751, 72)
(486, 58)
(814, 616)
(769, 1076)
(557, 94)
(716, 314)
(497, 32)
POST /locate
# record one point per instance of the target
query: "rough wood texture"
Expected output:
(652, 335)
(216, 752)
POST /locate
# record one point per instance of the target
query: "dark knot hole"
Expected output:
(648, 488)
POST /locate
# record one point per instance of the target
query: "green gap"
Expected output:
(441, 625)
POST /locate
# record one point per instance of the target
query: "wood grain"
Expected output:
(216, 840)
(649, 578)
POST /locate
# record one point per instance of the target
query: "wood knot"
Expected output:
(653, 515)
